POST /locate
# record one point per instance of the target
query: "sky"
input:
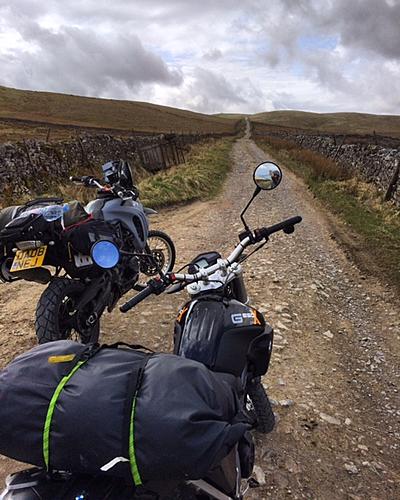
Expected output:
(210, 56)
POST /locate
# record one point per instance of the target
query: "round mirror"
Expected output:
(267, 175)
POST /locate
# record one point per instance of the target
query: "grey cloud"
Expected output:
(212, 92)
(125, 48)
(127, 11)
(365, 24)
(371, 25)
(212, 55)
(79, 61)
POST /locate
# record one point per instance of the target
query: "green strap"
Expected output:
(132, 445)
(50, 411)
(132, 457)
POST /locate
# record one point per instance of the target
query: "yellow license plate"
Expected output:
(27, 259)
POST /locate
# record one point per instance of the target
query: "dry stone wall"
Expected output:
(375, 159)
(32, 166)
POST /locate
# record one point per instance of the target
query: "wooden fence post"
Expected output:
(28, 154)
(339, 148)
(393, 182)
(163, 155)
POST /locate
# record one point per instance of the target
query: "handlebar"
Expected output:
(134, 301)
(158, 285)
(286, 225)
(87, 181)
(155, 285)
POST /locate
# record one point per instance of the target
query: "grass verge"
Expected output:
(200, 178)
(374, 236)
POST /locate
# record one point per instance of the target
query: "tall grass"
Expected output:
(200, 178)
(315, 166)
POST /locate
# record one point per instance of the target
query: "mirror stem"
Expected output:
(256, 191)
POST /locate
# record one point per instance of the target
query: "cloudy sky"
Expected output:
(209, 55)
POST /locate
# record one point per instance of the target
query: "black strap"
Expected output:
(210, 296)
(124, 344)
(87, 352)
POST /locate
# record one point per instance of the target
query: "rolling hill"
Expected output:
(336, 123)
(29, 114)
(25, 114)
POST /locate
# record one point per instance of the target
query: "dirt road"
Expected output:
(334, 375)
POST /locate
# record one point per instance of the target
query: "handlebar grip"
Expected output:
(281, 226)
(86, 180)
(136, 299)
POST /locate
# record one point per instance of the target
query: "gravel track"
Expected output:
(334, 375)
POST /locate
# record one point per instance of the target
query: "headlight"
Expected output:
(105, 254)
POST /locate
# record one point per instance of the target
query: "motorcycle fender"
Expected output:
(149, 211)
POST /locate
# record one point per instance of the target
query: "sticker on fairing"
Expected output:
(240, 318)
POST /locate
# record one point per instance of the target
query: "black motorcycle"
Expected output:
(97, 252)
(216, 328)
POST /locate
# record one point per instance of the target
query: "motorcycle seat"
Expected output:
(7, 214)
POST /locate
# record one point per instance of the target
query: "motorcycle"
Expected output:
(218, 328)
(98, 252)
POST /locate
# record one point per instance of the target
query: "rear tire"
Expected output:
(262, 407)
(55, 313)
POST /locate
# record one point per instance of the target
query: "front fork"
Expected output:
(239, 291)
(97, 296)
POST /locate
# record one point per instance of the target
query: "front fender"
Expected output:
(149, 211)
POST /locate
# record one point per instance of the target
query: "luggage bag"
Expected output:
(128, 413)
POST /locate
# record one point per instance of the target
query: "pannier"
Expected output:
(137, 415)
(75, 214)
(82, 235)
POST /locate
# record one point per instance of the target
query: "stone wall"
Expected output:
(32, 166)
(375, 159)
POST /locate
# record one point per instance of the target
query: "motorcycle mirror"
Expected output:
(267, 176)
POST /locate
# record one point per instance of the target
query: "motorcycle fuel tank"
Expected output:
(223, 335)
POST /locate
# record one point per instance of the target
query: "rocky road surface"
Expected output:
(334, 375)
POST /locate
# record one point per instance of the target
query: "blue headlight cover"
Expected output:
(105, 254)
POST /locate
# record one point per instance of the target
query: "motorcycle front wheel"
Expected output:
(159, 253)
(162, 249)
(56, 314)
